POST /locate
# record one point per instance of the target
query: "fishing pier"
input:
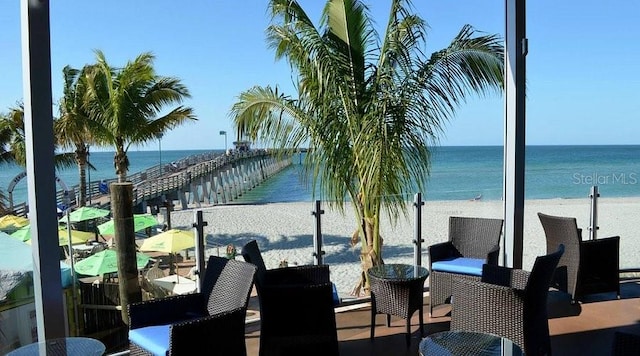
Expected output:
(210, 178)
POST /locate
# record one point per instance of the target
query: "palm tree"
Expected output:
(73, 127)
(127, 104)
(13, 140)
(368, 107)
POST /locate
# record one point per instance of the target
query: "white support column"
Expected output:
(41, 180)
(514, 138)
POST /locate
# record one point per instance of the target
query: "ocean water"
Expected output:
(458, 173)
(463, 173)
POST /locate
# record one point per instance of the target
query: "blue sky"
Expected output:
(583, 81)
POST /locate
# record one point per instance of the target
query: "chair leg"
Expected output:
(373, 318)
(408, 335)
(420, 318)
(388, 320)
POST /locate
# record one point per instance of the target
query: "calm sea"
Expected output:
(458, 173)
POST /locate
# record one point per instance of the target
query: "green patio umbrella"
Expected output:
(105, 262)
(85, 213)
(140, 222)
(77, 237)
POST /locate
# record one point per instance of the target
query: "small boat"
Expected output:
(477, 197)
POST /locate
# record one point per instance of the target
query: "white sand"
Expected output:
(285, 230)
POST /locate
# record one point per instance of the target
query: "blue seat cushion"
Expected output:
(460, 265)
(154, 339)
(336, 299)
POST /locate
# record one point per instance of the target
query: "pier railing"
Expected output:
(187, 174)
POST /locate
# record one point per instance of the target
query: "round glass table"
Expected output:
(398, 272)
(459, 343)
(62, 347)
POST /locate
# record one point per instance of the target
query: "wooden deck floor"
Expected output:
(582, 329)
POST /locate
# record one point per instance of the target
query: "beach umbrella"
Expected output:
(77, 237)
(85, 213)
(170, 241)
(12, 222)
(140, 222)
(105, 262)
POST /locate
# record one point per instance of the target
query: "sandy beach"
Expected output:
(284, 231)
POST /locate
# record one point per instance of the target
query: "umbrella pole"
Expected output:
(73, 276)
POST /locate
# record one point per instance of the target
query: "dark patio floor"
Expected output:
(586, 328)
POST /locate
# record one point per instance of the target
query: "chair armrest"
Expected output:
(198, 333)
(479, 306)
(166, 310)
(505, 276)
(492, 256)
(442, 251)
(298, 275)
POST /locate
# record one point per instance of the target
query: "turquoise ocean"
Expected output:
(458, 173)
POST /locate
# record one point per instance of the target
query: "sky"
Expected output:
(583, 81)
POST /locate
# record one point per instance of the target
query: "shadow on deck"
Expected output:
(585, 328)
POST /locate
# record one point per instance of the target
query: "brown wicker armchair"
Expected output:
(587, 267)
(297, 315)
(508, 302)
(472, 243)
(178, 324)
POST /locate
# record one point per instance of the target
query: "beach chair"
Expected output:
(472, 243)
(587, 267)
(214, 317)
(507, 302)
(297, 315)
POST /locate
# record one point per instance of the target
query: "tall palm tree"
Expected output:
(128, 103)
(368, 107)
(73, 127)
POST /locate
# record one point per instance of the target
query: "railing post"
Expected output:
(199, 225)
(417, 224)
(593, 219)
(317, 235)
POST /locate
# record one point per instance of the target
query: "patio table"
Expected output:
(455, 343)
(176, 284)
(69, 346)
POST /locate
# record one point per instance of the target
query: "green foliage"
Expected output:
(368, 106)
(128, 105)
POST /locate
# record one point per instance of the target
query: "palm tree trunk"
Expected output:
(370, 255)
(121, 166)
(81, 159)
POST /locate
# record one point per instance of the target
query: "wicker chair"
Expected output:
(508, 302)
(587, 267)
(472, 242)
(401, 296)
(178, 324)
(297, 315)
(625, 344)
